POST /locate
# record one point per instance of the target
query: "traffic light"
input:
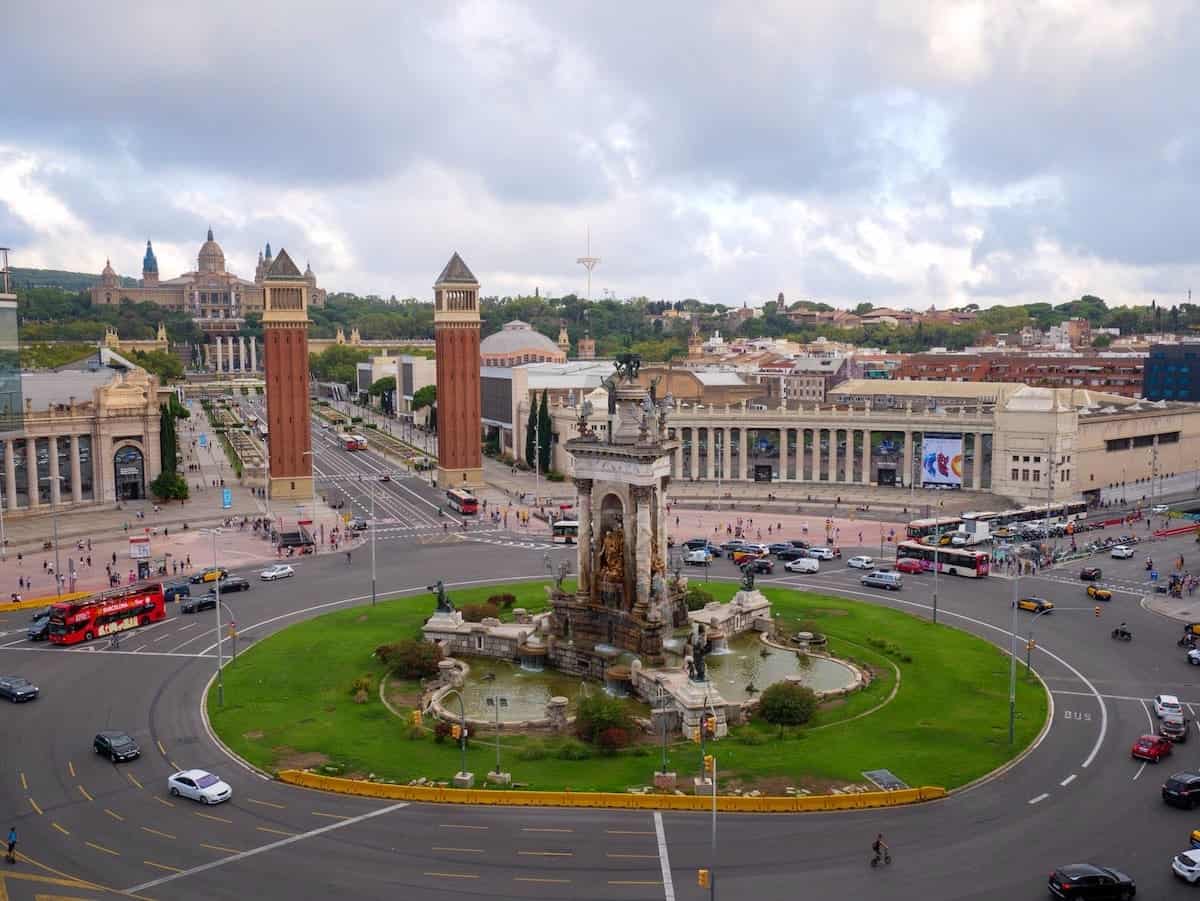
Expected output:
(415, 717)
(708, 763)
(1030, 645)
(702, 878)
(456, 732)
(1097, 609)
(696, 736)
(710, 726)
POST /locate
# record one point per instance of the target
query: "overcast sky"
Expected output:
(910, 153)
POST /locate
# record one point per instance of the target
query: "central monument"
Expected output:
(285, 339)
(624, 602)
(456, 329)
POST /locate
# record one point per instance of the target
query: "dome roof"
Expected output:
(211, 257)
(518, 337)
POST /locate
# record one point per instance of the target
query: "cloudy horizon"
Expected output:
(916, 154)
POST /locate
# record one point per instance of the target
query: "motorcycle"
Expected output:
(1119, 634)
(1187, 641)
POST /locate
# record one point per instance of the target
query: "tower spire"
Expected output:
(588, 262)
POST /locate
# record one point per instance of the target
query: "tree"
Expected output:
(787, 704)
(425, 396)
(543, 428)
(169, 484)
(531, 427)
(161, 363)
(1102, 341)
(385, 390)
(338, 363)
(863, 308)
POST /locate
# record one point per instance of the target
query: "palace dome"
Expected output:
(211, 257)
(519, 337)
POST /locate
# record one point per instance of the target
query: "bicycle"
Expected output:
(886, 858)
(114, 642)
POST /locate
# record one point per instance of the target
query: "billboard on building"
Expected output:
(942, 460)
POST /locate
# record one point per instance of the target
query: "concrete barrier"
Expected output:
(34, 603)
(616, 800)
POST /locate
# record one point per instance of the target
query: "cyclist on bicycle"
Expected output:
(880, 847)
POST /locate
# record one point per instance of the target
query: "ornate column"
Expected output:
(834, 454)
(783, 434)
(906, 479)
(253, 354)
(10, 476)
(584, 487)
(726, 454)
(55, 481)
(977, 474)
(744, 456)
(76, 485)
(31, 471)
(217, 354)
(695, 456)
(245, 360)
(642, 498)
(678, 457)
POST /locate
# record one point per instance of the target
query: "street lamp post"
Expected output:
(54, 520)
(220, 681)
(497, 701)
(662, 706)
(937, 543)
(373, 527)
(462, 717)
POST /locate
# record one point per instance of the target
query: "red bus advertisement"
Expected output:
(462, 501)
(113, 611)
(354, 442)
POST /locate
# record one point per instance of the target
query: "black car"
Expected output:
(196, 605)
(1084, 880)
(115, 746)
(761, 565)
(792, 553)
(1182, 790)
(16, 689)
(779, 546)
(1090, 574)
(39, 629)
(39, 613)
(803, 545)
(176, 589)
(234, 583)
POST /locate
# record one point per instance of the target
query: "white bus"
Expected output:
(566, 531)
(952, 560)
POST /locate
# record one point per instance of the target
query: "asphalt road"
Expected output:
(1078, 796)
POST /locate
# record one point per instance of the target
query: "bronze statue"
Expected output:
(612, 556)
(444, 604)
(697, 671)
(564, 569)
(627, 366)
(748, 576)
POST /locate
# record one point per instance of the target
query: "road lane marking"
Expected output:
(632, 856)
(164, 801)
(164, 636)
(539, 879)
(663, 859)
(116, 816)
(220, 848)
(83, 791)
(209, 816)
(1042, 797)
(273, 831)
(132, 778)
(71, 767)
(332, 816)
(188, 626)
(635, 882)
(104, 849)
(163, 866)
(157, 832)
(160, 747)
(35, 806)
(458, 826)
(60, 828)
(271, 846)
(24, 784)
(1067, 781)
(547, 853)
(543, 829)
(452, 875)
(627, 832)
(459, 850)
(266, 803)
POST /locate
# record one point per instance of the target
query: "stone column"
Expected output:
(31, 471)
(678, 455)
(55, 481)
(76, 484)
(695, 456)
(245, 361)
(744, 446)
(726, 454)
(584, 487)
(783, 434)
(834, 455)
(641, 497)
(217, 354)
(977, 474)
(10, 477)
(253, 354)
(906, 464)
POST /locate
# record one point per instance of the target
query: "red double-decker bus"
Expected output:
(112, 611)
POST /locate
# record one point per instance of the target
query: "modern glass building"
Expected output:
(1173, 372)
(10, 353)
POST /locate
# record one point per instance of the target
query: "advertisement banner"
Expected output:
(226, 498)
(942, 460)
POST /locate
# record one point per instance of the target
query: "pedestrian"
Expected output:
(11, 856)
(45, 563)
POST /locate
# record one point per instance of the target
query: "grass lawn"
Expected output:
(289, 702)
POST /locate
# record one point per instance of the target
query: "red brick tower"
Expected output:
(456, 327)
(285, 340)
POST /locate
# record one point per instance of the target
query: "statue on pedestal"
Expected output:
(444, 604)
(748, 576)
(612, 556)
(697, 671)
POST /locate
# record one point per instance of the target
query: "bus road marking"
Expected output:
(1067, 781)
(132, 778)
(160, 747)
(116, 816)
(71, 767)
(164, 801)
(221, 848)
(24, 784)
(274, 831)
(1042, 797)
(35, 806)
(209, 816)
(265, 803)
(157, 832)
(60, 828)
(162, 866)
(83, 791)
(104, 849)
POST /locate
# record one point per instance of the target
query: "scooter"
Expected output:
(1120, 634)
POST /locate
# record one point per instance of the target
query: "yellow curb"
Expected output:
(45, 601)
(729, 803)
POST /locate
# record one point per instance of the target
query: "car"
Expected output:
(1182, 790)
(820, 553)
(1085, 880)
(792, 553)
(1160, 508)
(1035, 605)
(760, 550)
(802, 565)
(910, 566)
(386, 477)
(197, 605)
(176, 589)
(198, 785)
(356, 524)
(278, 571)
(699, 557)
(1151, 747)
(116, 746)
(803, 545)
(1090, 574)
(881, 578)
(1167, 705)
(39, 629)
(1121, 552)
(733, 544)
(1186, 865)
(39, 613)
(232, 583)
(1003, 532)
(17, 689)
(779, 547)
(1193, 656)
(762, 566)
(1096, 593)
(860, 562)
(1175, 728)
(212, 574)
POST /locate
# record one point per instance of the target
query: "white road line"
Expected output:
(1042, 797)
(291, 839)
(663, 859)
(13, 643)
(1067, 781)
(1088, 694)
(1139, 772)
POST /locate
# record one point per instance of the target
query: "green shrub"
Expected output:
(477, 613)
(596, 713)
(613, 739)
(362, 683)
(573, 750)
(441, 731)
(410, 659)
(697, 597)
(533, 750)
(787, 704)
(502, 601)
(555, 476)
(751, 737)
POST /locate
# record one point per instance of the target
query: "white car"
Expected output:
(1186, 865)
(760, 549)
(699, 557)
(1167, 705)
(1121, 552)
(820, 553)
(1160, 509)
(278, 571)
(861, 563)
(199, 786)
(802, 565)
(1193, 656)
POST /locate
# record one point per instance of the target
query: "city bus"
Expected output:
(352, 442)
(566, 531)
(921, 529)
(463, 502)
(103, 614)
(1060, 513)
(953, 560)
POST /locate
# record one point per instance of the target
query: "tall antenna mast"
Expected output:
(589, 262)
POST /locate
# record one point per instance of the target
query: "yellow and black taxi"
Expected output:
(1195, 838)
(1035, 605)
(1096, 593)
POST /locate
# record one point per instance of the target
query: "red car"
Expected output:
(910, 566)
(1151, 747)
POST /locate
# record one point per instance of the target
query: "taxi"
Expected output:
(1035, 605)
(1195, 839)
(1096, 593)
